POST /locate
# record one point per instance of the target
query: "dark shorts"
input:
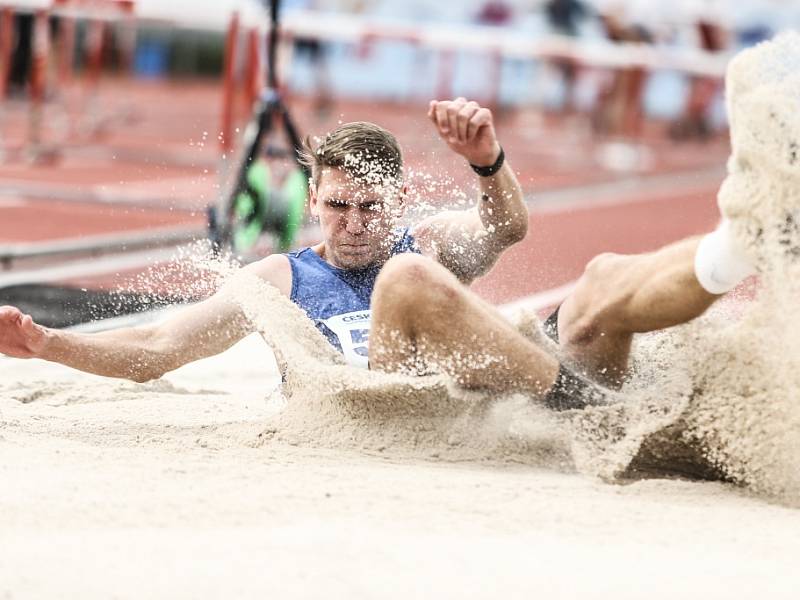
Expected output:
(572, 390)
(550, 325)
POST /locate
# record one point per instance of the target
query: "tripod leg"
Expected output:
(259, 127)
(292, 135)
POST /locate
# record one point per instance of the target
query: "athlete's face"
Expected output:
(356, 218)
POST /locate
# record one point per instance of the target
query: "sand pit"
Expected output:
(167, 490)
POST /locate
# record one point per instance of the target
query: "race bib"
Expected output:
(352, 329)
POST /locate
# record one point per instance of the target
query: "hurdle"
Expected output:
(50, 76)
(361, 31)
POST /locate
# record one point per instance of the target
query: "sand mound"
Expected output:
(729, 405)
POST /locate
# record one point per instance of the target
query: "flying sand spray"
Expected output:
(714, 398)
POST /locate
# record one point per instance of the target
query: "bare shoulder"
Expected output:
(276, 270)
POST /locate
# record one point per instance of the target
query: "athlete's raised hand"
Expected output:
(20, 337)
(468, 129)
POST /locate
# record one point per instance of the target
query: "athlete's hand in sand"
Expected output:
(468, 129)
(20, 337)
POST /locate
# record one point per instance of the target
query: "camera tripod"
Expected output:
(253, 204)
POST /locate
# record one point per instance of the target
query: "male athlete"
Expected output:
(395, 299)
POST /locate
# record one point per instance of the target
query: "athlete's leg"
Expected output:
(422, 316)
(619, 296)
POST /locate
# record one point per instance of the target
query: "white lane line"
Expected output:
(13, 202)
(89, 267)
(120, 241)
(538, 301)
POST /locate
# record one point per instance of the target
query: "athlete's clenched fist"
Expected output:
(467, 128)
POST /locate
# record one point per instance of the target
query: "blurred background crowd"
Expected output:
(182, 38)
(616, 99)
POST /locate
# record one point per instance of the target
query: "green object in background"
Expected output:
(295, 191)
(262, 208)
(251, 205)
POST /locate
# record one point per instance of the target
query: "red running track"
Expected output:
(560, 243)
(40, 221)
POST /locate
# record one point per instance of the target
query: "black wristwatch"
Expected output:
(491, 169)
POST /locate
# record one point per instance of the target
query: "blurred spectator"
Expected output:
(21, 57)
(314, 51)
(495, 12)
(712, 37)
(565, 17)
(620, 110)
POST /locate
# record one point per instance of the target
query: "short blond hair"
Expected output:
(366, 151)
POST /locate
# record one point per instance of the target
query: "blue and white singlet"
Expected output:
(338, 300)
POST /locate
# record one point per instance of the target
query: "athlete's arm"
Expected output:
(469, 242)
(141, 353)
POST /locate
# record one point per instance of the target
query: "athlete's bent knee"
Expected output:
(602, 265)
(598, 303)
(414, 282)
(405, 268)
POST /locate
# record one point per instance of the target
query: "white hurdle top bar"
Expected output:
(505, 42)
